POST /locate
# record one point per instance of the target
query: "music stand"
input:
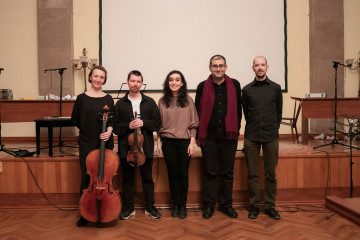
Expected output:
(117, 97)
(335, 140)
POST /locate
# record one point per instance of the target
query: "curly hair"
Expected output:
(182, 100)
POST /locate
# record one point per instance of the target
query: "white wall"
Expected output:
(19, 56)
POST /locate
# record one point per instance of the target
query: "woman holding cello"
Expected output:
(176, 137)
(86, 117)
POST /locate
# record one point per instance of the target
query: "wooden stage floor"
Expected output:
(286, 148)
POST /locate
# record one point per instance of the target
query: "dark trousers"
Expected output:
(218, 155)
(270, 155)
(177, 162)
(85, 178)
(128, 182)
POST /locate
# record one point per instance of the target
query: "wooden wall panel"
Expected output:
(55, 46)
(59, 175)
(326, 39)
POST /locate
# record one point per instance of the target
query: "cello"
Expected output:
(100, 203)
(136, 156)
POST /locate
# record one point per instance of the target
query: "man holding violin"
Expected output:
(148, 120)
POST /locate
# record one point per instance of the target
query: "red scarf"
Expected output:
(206, 107)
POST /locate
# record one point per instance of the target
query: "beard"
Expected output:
(260, 74)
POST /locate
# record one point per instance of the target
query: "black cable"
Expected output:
(328, 182)
(299, 208)
(12, 153)
(328, 179)
(43, 194)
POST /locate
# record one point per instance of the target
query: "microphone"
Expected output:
(338, 63)
(55, 69)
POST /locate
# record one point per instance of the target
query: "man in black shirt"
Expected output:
(125, 124)
(218, 102)
(262, 105)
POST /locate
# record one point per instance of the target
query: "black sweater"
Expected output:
(86, 117)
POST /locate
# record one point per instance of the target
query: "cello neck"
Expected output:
(102, 146)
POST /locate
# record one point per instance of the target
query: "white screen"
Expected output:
(157, 36)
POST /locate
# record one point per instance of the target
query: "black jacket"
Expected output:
(150, 115)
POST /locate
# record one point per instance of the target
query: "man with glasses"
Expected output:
(218, 102)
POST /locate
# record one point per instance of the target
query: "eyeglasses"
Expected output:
(218, 66)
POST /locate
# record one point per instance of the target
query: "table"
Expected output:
(50, 123)
(29, 110)
(34, 110)
(325, 108)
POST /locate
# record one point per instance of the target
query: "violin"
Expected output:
(136, 156)
(100, 202)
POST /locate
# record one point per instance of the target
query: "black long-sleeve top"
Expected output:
(150, 115)
(86, 117)
(262, 105)
(216, 127)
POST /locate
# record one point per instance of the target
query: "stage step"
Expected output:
(346, 207)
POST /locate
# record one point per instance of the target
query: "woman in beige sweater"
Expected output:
(176, 137)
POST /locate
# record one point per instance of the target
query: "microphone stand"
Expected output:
(351, 133)
(335, 140)
(1, 145)
(61, 72)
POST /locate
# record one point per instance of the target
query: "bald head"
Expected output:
(259, 57)
(260, 68)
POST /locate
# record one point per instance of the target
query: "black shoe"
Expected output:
(208, 211)
(182, 213)
(175, 212)
(152, 212)
(271, 212)
(126, 213)
(253, 212)
(81, 222)
(229, 211)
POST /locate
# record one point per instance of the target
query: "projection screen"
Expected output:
(157, 36)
